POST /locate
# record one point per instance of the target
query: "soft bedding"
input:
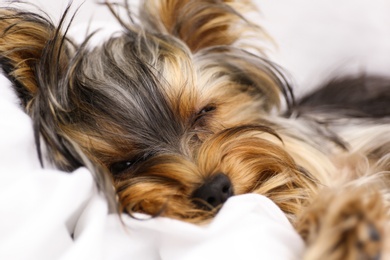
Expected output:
(49, 214)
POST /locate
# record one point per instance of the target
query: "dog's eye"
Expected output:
(120, 167)
(204, 111)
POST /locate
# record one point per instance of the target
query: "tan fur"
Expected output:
(21, 43)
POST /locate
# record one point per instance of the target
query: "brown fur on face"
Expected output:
(169, 180)
(179, 99)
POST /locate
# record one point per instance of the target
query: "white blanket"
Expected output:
(41, 208)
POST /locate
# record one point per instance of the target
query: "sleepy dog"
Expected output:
(181, 110)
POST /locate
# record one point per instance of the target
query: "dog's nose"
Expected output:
(213, 192)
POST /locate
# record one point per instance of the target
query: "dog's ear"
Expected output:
(32, 52)
(35, 56)
(223, 39)
(199, 23)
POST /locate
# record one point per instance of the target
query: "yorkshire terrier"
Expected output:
(182, 110)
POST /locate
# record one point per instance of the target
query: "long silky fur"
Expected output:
(179, 96)
(35, 56)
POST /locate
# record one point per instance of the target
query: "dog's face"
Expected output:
(172, 108)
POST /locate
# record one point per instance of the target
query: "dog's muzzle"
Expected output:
(214, 192)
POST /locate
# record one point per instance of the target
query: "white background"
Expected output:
(315, 39)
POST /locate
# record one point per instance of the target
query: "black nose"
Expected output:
(213, 192)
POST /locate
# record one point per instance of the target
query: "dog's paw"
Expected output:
(344, 225)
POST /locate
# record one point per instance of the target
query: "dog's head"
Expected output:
(174, 107)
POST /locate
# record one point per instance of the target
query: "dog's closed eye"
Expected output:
(118, 168)
(204, 112)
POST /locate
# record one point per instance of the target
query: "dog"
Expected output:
(182, 110)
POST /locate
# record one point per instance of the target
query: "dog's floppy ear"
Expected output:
(32, 51)
(199, 23)
(224, 41)
(35, 56)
